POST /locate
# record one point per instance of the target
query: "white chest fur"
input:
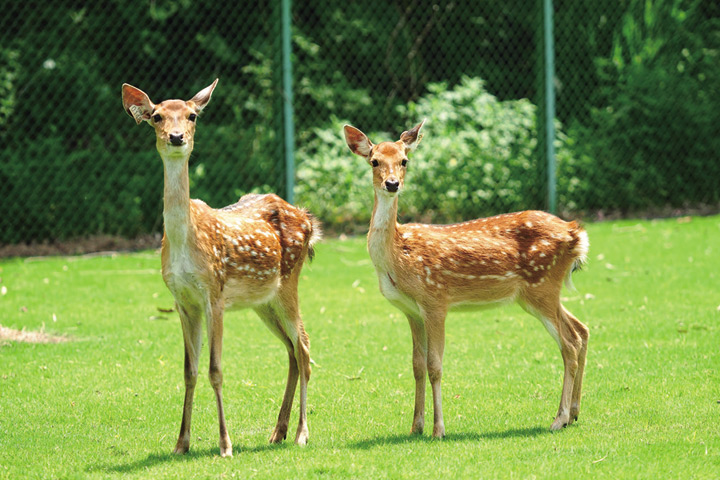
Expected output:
(183, 278)
(402, 302)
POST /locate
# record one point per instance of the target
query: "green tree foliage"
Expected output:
(637, 87)
(654, 122)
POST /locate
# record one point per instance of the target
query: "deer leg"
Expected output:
(192, 335)
(272, 321)
(556, 323)
(291, 332)
(562, 419)
(435, 327)
(570, 346)
(280, 431)
(419, 362)
(215, 337)
(302, 352)
(584, 334)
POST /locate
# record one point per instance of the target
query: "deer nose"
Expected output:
(392, 185)
(176, 139)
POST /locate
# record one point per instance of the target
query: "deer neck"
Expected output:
(176, 201)
(383, 229)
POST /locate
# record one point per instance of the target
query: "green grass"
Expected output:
(108, 403)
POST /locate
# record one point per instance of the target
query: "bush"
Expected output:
(333, 183)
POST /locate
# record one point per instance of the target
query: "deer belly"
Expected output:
(483, 294)
(249, 292)
(469, 306)
(401, 301)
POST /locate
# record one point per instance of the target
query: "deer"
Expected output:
(245, 255)
(425, 271)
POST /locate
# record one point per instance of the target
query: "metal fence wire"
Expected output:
(636, 84)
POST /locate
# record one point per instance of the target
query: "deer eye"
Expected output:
(157, 118)
(192, 117)
(375, 163)
(404, 162)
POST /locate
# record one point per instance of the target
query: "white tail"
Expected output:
(427, 270)
(246, 255)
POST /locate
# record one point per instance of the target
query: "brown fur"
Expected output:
(246, 255)
(427, 270)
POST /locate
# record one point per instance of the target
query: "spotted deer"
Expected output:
(427, 270)
(246, 255)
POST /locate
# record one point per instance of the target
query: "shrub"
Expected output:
(333, 183)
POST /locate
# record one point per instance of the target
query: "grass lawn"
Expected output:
(108, 402)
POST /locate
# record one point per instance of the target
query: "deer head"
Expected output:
(389, 160)
(173, 120)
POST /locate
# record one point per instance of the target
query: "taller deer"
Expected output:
(427, 270)
(246, 255)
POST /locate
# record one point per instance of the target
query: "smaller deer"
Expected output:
(246, 255)
(427, 270)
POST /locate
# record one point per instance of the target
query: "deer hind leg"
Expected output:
(570, 343)
(280, 432)
(287, 325)
(302, 351)
(419, 361)
(581, 331)
(272, 320)
(215, 337)
(192, 335)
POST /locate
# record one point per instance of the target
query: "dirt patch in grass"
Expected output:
(12, 335)
(97, 243)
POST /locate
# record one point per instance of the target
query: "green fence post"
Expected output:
(288, 123)
(549, 53)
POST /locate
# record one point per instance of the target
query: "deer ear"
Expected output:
(358, 142)
(203, 96)
(136, 103)
(412, 137)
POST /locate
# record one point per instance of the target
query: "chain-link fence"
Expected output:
(637, 85)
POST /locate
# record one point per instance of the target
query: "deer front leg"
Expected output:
(435, 327)
(215, 334)
(192, 335)
(419, 361)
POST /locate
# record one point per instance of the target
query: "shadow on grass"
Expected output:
(452, 437)
(151, 460)
(155, 459)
